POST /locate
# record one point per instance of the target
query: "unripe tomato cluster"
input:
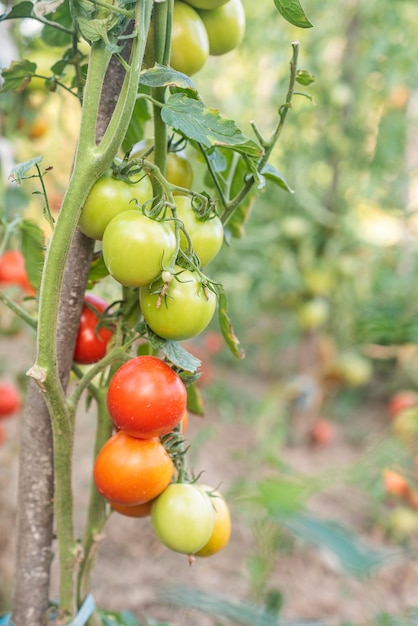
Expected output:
(202, 28)
(147, 400)
(142, 252)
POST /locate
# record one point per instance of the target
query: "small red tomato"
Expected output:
(10, 401)
(402, 400)
(394, 483)
(13, 271)
(322, 432)
(146, 398)
(92, 340)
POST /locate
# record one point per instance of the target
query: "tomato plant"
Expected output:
(183, 518)
(132, 471)
(10, 399)
(108, 197)
(135, 510)
(13, 271)
(225, 26)
(146, 398)
(206, 235)
(221, 532)
(136, 247)
(92, 339)
(206, 4)
(183, 312)
(189, 40)
(179, 170)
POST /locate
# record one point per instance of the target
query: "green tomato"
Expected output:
(189, 40)
(109, 197)
(182, 518)
(206, 4)
(206, 235)
(225, 27)
(179, 170)
(183, 312)
(135, 247)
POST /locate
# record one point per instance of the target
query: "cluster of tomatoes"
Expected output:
(142, 250)
(203, 28)
(140, 470)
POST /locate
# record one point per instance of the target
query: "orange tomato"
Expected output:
(394, 483)
(132, 471)
(134, 510)
(13, 271)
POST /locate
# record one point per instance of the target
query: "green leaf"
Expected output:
(303, 77)
(18, 75)
(226, 327)
(206, 126)
(238, 611)
(22, 9)
(292, 11)
(194, 400)
(283, 496)
(179, 356)
(97, 272)
(271, 173)
(162, 76)
(33, 250)
(353, 555)
(53, 35)
(19, 171)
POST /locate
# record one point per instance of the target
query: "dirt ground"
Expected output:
(133, 568)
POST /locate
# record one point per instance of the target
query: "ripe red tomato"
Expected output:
(402, 400)
(225, 27)
(91, 343)
(13, 271)
(10, 400)
(182, 518)
(108, 197)
(185, 310)
(322, 432)
(189, 40)
(132, 471)
(146, 398)
(206, 235)
(135, 247)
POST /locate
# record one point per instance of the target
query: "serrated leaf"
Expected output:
(354, 555)
(22, 9)
(179, 356)
(271, 173)
(303, 77)
(194, 400)
(292, 11)
(18, 75)
(20, 170)
(162, 76)
(199, 123)
(226, 327)
(33, 250)
(53, 35)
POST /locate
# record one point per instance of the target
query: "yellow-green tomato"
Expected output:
(108, 197)
(206, 235)
(182, 518)
(189, 40)
(206, 4)
(183, 311)
(222, 523)
(135, 247)
(179, 170)
(225, 27)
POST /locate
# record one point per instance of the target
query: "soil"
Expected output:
(134, 569)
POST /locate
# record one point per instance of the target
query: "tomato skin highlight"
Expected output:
(107, 198)
(182, 518)
(146, 398)
(189, 40)
(225, 27)
(184, 312)
(221, 532)
(131, 471)
(91, 342)
(136, 246)
(13, 271)
(10, 400)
